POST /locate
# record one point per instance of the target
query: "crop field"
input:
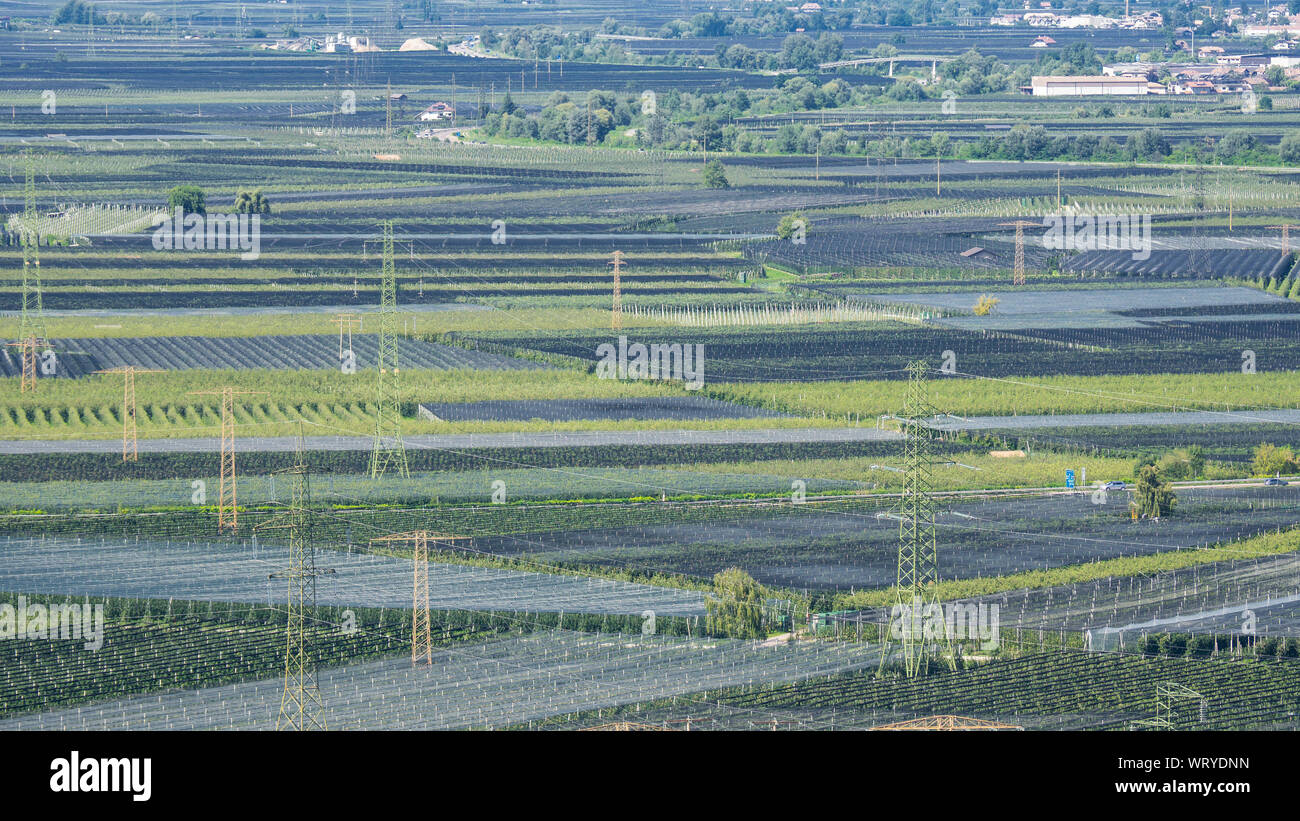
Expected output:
(1253, 263)
(483, 687)
(1127, 301)
(1053, 691)
(560, 410)
(641, 348)
(82, 357)
(853, 546)
(1203, 600)
(461, 486)
(211, 572)
(881, 350)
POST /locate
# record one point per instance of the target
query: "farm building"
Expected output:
(976, 252)
(1082, 86)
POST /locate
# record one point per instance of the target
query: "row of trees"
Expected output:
(573, 122)
(193, 200)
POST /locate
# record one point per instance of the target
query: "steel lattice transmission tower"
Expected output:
(31, 325)
(1168, 694)
(388, 110)
(130, 442)
(301, 705)
(27, 356)
(421, 626)
(947, 722)
(1286, 237)
(917, 608)
(389, 450)
(33, 315)
(1018, 272)
(32, 322)
(228, 507)
(616, 316)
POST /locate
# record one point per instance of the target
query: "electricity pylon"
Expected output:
(27, 357)
(389, 449)
(917, 608)
(421, 627)
(388, 110)
(616, 316)
(1286, 237)
(1018, 272)
(28, 348)
(32, 323)
(301, 705)
(947, 723)
(228, 507)
(346, 321)
(130, 443)
(1166, 717)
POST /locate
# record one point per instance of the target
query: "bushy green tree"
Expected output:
(252, 202)
(1184, 463)
(1271, 460)
(188, 197)
(1148, 144)
(1289, 148)
(715, 176)
(1153, 495)
(799, 51)
(786, 228)
(736, 606)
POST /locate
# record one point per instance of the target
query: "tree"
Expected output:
(984, 305)
(791, 223)
(708, 131)
(1184, 463)
(1289, 149)
(1271, 460)
(77, 11)
(736, 606)
(1153, 495)
(1148, 144)
(251, 202)
(798, 51)
(715, 176)
(899, 17)
(189, 198)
